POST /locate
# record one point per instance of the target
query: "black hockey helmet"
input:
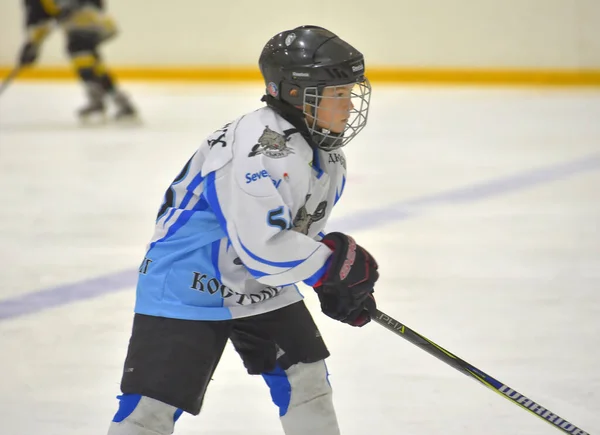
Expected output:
(299, 64)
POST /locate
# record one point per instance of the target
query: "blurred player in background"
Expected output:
(86, 27)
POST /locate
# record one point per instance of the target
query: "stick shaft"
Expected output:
(15, 71)
(464, 367)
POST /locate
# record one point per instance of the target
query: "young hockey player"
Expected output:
(240, 225)
(86, 28)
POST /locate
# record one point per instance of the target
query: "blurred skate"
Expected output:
(94, 112)
(126, 112)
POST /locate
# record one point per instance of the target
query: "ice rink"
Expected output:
(481, 205)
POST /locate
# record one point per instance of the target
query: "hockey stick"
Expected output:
(464, 367)
(15, 71)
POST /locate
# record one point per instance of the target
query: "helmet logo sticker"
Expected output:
(289, 39)
(358, 67)
(300, 75)
(271, 144)
(272, 89)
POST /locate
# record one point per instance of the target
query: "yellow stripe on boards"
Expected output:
(490, 77)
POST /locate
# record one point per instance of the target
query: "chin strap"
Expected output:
(291, 114)
(316, 138)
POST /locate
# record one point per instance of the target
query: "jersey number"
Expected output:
(170, 193)
(276, 218)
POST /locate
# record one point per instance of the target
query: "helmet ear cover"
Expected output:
(292, 94)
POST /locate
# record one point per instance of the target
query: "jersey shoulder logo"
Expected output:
(271, 144)
(218, 137)
(337, 158)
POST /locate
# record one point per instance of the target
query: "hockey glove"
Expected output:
(345, 291)
(29, 54)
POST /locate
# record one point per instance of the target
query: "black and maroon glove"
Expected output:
(346, 289)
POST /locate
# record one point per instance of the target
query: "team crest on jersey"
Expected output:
(304, 219)
(271, 144)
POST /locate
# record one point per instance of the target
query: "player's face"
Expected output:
(334, 108)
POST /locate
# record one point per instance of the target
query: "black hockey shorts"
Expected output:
(82, 42)
(173, 360)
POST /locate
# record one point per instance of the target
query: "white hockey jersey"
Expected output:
(240, 225)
